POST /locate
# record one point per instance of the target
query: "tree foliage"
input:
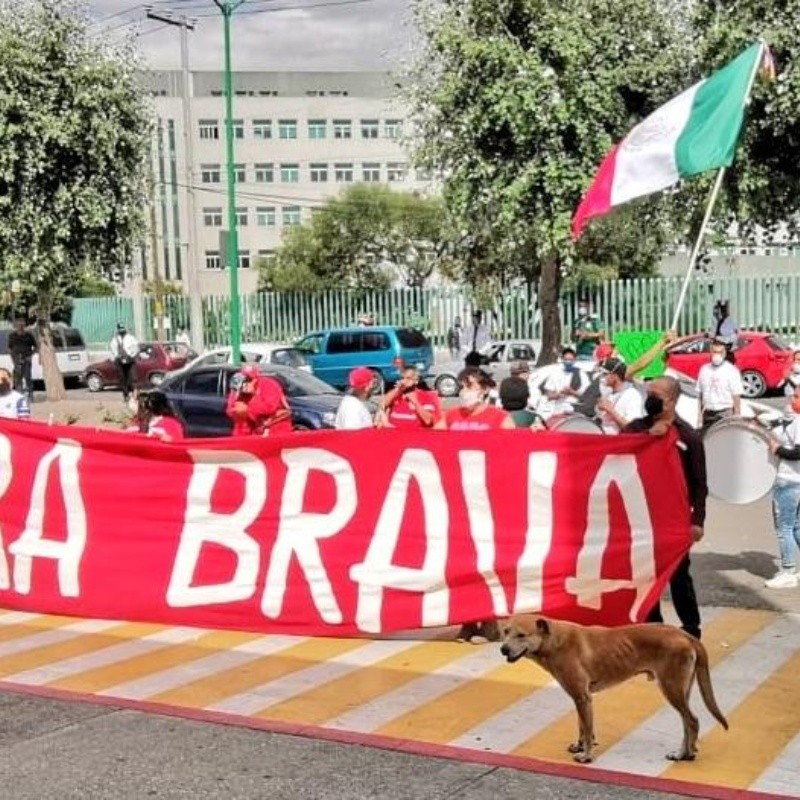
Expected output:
(75, 130)
(366, 239)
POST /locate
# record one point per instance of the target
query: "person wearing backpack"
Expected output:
(124, 348)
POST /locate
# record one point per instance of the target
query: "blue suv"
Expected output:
(334, 352)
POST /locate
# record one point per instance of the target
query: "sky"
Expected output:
(292, 35)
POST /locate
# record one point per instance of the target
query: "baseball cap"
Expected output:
(360, 377)
(615, 366)
(518, 367)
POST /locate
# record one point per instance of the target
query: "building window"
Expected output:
(239, 173)
(287, 129)
(241, 217)
(209, 173)
(290, 173)
(290, 215)
(212, 217)
(267, 256)
(393, 128)
(343, 173)
(396, 172)
(342, 129)
(213, 261)
(371, 172)
(370, 128)
(265, 216)
(209, 129)
(265, 173)
(317, 129)
(262, 128)
(319, 173)
(244, 259)
(238, 129)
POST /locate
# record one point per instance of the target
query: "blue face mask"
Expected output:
(569, 366)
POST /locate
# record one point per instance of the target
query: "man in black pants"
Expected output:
(22, 347)
(660, 407)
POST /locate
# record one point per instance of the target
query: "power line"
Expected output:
(275, 9)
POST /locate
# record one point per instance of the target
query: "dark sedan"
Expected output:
(199, 393)
(152, 363)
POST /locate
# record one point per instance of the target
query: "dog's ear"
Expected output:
(543, 626)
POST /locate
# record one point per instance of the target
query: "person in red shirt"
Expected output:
(155, 418)
(257, 405)
(408, 405)
(474, 413)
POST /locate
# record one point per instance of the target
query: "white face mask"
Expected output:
(469, 398)
(796, 367)
(717, 359)
(605, 389)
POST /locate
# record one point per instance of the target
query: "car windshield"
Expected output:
(778, 343)
(301, 384)
(409, 337)
(288, 357)
(73, 338)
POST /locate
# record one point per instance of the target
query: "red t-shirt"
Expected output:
(489, 419)
(168, 426)
(401, 415)
(260, 407)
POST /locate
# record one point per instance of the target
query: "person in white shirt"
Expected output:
(719, 385)
(475, 336)
(124, 350)
(562, 387)
(623, 403)
(13, 404)
(353, 413)
(792, 379)
(786, 499)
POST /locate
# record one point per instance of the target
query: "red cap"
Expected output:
(361, 377)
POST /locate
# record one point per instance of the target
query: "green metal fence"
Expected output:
(767, 303)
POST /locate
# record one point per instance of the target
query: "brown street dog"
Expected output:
(585, 660)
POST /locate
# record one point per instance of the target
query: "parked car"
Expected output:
(257, 353)
(153, 362)
(72, 356)
(762, 358)
(383, 349)
(496, 357)
(198, 395)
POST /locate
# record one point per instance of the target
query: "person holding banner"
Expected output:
(257, 404)
(475, 412)
(353, 413)
(13, 404)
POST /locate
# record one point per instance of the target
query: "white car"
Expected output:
(256, 353)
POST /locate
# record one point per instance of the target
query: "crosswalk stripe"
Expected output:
(353, 690)
(25, 625)
(781, 777)
(733, 680)
(30, 640)
(761, 726)
(102, 678)
(621, 709)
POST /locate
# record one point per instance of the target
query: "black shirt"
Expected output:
(693, 459)
(21, 344)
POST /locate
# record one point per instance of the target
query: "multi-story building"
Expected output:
(300, 138)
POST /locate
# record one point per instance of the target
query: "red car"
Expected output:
(762, 358)
(152, 364)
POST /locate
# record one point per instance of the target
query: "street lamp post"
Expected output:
(227, 7)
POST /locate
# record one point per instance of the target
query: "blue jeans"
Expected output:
(786, 512)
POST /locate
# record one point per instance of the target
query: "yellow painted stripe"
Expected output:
(211, 689)
(760, 728)
(101, 678)
(362, 686)
(620, 710)
(30, 627)
(461, 709)
(79, 645)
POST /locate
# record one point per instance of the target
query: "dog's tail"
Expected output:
(704, 682)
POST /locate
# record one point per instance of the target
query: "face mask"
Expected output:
(653, 406)
(605, 389)
(796, 367)
(469, 398)
(717, 359)
(569, 366)
(5, 387)
(582, 312)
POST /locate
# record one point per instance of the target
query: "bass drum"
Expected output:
(740, 467)
(573, 423)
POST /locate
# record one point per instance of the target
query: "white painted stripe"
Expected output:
(276, 691)
(646, 159)
(733, 680)
(783, 775)
(102, 658)
(416, 693)
(17, 617)
(55, 636)
(150, 685)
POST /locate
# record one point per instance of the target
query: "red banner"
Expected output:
(337, 532)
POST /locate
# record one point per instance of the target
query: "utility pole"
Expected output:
(193, 290)
(227, 7)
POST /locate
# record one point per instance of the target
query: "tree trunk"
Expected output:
(549, 291)
(53, 379)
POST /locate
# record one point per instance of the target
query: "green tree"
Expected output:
(517, 101)
(75, 130)
(363, 240)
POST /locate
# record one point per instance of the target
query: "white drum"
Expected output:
(573, 423)
(740, 466)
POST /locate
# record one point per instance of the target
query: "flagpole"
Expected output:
(710, 207)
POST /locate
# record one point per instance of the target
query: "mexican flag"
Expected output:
(694, 132)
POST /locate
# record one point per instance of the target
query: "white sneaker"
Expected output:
(783, 580)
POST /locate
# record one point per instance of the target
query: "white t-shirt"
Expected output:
(14, 406)
(789, 471)
(352, 415)
(718, 386)
(628, 403)
(126, 344)
(557, 381)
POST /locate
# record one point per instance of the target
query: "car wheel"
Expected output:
(753, 384)
(156, 378)
(94, 383)
(446, 386)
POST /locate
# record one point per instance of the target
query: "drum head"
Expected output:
(573, 423)
(741, 469)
